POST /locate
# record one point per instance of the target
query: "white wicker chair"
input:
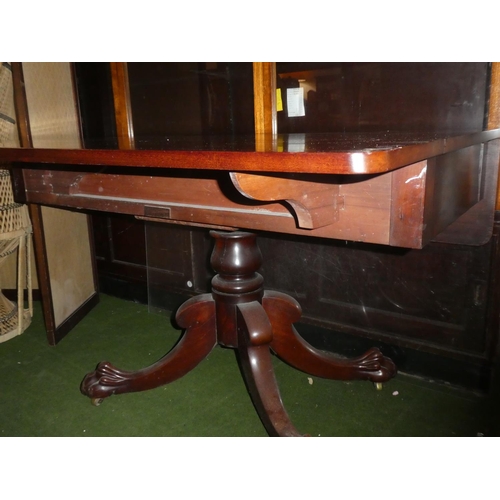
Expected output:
(15, 235)
(15, 225)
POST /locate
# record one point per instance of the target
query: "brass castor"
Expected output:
(97, 401)
(378, 385)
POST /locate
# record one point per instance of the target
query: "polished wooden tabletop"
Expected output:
(359, 153)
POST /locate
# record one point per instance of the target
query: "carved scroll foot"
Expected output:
(254, 336)
(197, 316)
(283, 311)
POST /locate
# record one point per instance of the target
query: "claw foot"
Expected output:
(374, 366)
(103, 382)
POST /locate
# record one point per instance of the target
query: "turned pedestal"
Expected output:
(241, 315)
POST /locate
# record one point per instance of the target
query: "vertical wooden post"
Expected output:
(494, 108)
(264, 89)
(35, 211)
(123, 108)
(493, 408)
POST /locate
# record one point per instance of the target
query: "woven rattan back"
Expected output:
(15, 225)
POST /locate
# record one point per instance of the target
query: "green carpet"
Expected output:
(40, 396)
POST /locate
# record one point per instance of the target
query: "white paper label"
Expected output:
(295, 102)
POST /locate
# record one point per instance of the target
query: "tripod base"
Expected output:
(241, 315)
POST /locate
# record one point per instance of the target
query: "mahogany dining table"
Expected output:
(396, 189)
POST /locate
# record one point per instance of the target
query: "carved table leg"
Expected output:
(197, 315)
(243, 324)
(254, 336)
(283, 311)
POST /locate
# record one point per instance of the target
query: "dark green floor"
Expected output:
(39, 390)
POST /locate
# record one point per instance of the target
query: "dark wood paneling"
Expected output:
(93, 84)
(156, 255)
(431, 97)
(175, 258)
(435, 298)
(189, 98)
(120, 247)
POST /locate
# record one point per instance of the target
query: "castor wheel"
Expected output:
(378, 385)
(97, 401)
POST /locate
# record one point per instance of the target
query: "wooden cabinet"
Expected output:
(434, 311)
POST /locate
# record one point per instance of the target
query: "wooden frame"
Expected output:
(55, 330)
